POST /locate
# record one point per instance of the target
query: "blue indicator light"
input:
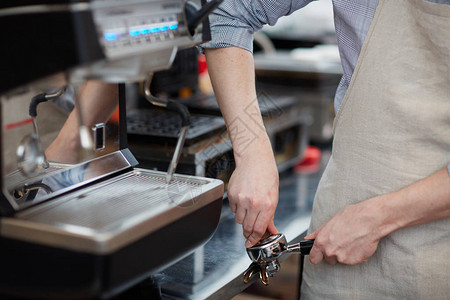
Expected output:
(154, 29)
(134, 32)
(172, 27)
(164, 28)
(145, 31)
(110, 36)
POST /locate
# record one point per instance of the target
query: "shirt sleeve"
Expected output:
(234, 21)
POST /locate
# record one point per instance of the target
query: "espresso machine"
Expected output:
(78, 218)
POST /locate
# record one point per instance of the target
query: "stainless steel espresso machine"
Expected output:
(78, 219)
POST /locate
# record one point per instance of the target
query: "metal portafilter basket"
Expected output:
(267, 251)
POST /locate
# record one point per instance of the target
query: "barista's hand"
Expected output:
(352, 235)
(349, 237)
(253, 192)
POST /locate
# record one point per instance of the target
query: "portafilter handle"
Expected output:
(274, 246)
(304, 247)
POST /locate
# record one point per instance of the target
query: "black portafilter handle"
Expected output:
(306, 246)
(195, 17)
(34, 103)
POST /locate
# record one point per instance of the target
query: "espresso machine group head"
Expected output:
(91, 225)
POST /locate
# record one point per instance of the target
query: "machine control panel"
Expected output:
(140, 26)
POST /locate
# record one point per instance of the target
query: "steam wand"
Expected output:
(185, 123)
(30, 156)
(44, 97)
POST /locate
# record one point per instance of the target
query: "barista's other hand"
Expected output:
(351, 236)
(253, 191)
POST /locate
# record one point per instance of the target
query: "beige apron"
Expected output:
(392, 129)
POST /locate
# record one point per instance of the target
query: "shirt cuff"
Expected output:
(222, 37)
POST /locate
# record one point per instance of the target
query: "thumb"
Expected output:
(311, 236)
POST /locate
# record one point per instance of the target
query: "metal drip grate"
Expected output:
(104, 207)
(167, 124)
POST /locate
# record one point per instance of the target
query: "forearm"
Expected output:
(233, 78)
(424, 201)
(98, 102)
(253, 186)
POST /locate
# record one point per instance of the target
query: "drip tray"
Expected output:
(109, 215)
(102, 239)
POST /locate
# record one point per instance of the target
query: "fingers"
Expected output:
(332, 260)
(311, 236)
(255, 214)
(241, 213)
(315, 256)
(327, 251)
(259, 229)
(232, 204)
(271, 228)
(318, 253)
(248, 226)
(235, 202)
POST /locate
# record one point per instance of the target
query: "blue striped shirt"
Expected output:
(235, 21)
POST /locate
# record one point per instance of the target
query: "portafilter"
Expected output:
(267, 251)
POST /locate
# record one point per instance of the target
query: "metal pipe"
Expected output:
(185, 123)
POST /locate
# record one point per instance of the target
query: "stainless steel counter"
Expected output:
(215, 271)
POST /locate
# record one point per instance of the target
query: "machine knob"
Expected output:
(195, 16)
